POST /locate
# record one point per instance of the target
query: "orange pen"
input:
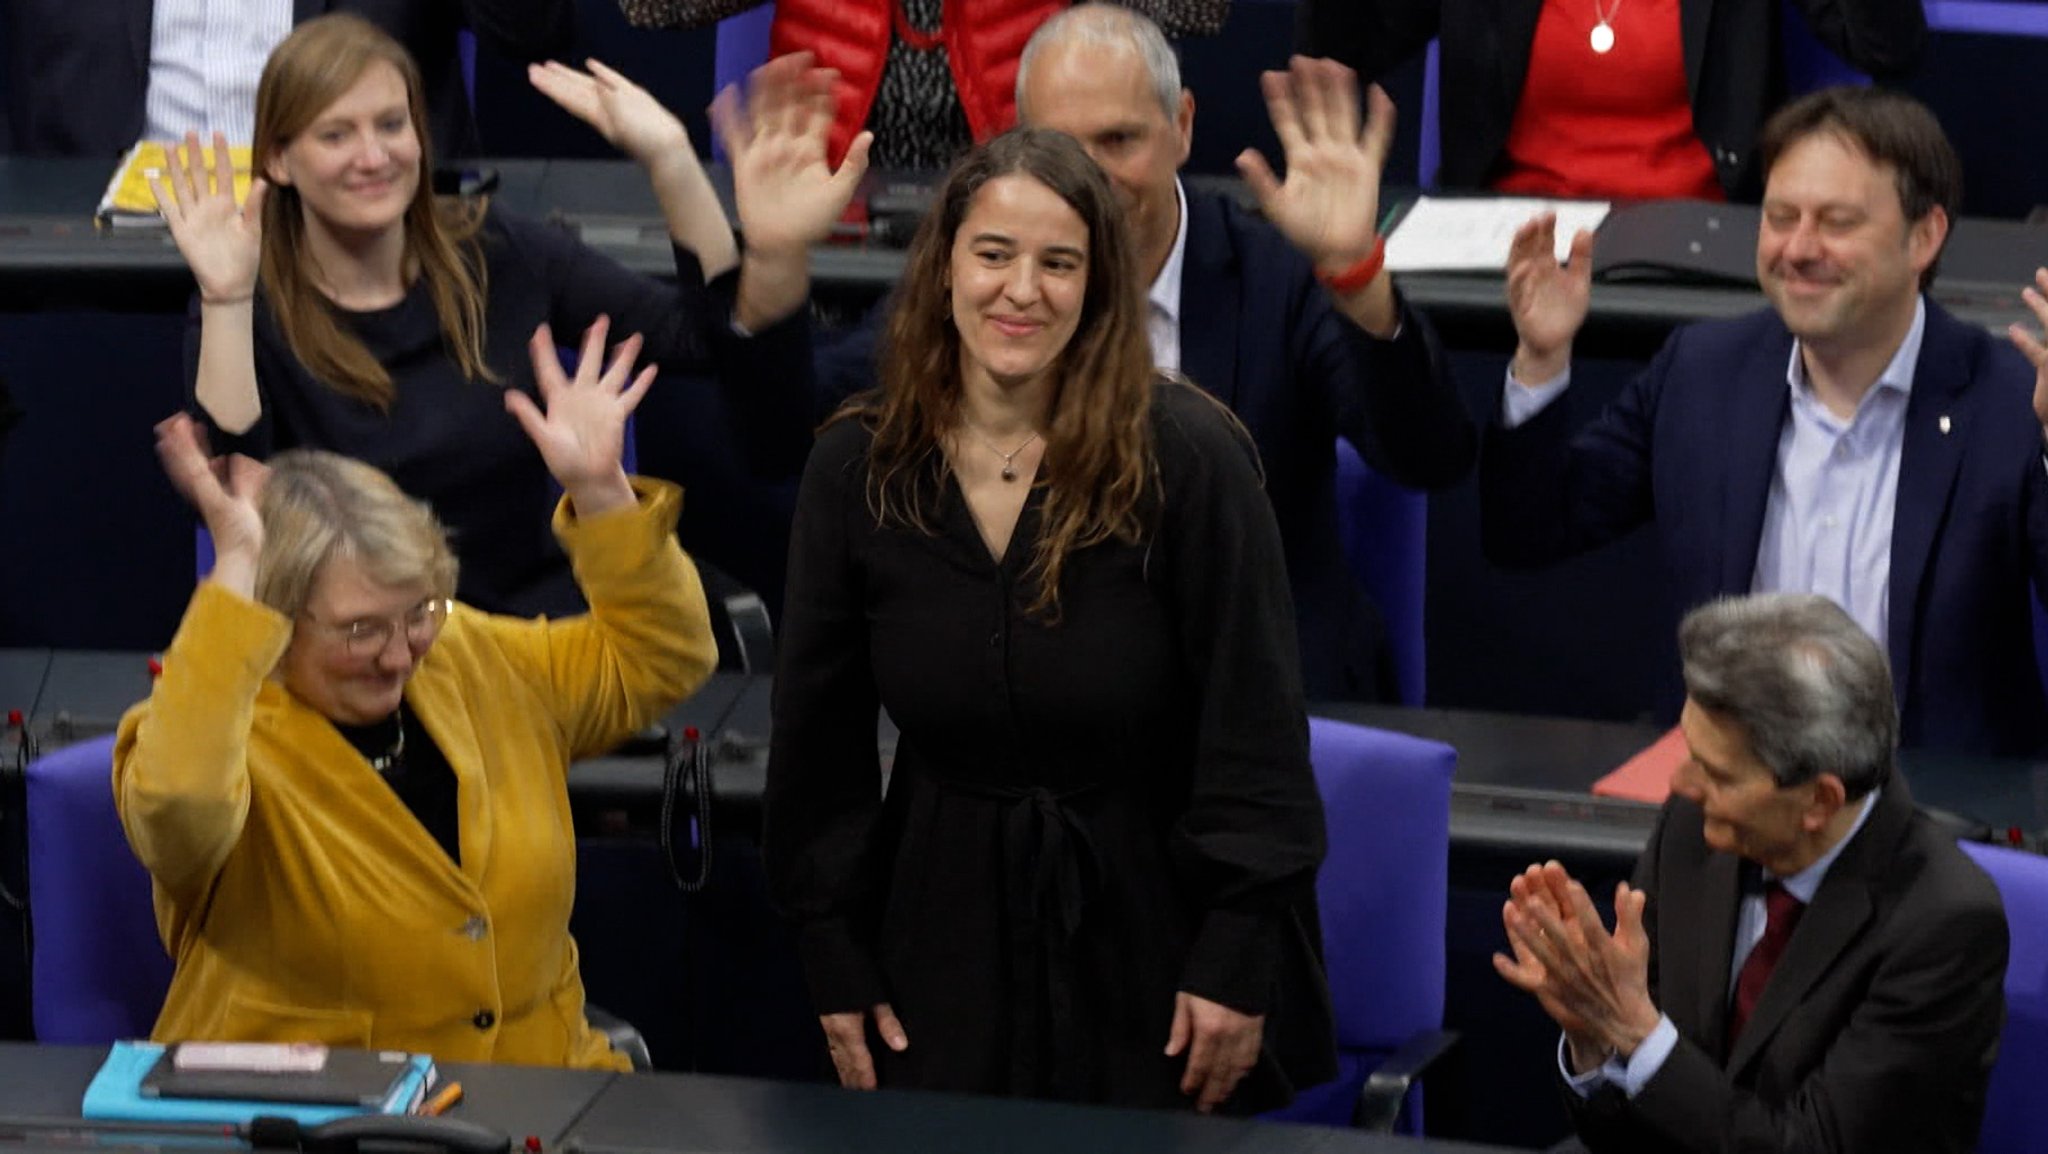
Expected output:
(442, 1100)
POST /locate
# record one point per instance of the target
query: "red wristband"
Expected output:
(1359, 275)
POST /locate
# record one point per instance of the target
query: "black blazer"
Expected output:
(1260, 334)
(1734, 66)
(1876, 1032)
(77, 73)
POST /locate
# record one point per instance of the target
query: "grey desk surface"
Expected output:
(686, 1114)
(46, 231)
(643, 1114)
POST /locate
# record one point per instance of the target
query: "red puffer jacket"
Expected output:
(983, 40)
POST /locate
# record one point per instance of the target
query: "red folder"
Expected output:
(1647, 775)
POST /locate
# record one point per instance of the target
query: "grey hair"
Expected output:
(1110, 25)
(319, 505)
(1809, 688)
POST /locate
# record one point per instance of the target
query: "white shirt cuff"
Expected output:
(1584, 1084)
(1521, 401)
(1649, 1057)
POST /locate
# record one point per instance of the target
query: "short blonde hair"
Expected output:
(319, 505)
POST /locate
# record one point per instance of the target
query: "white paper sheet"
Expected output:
(1472, 234)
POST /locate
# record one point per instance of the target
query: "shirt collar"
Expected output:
(1897, 375)
(1165, 294)
(1806, 883)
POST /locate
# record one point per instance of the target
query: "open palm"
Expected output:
(789, 195)
(622, 112)
(2030, 346)
(221, 241)
(224, 490)
(1328, 206)
(581, 434)
(1548, 301)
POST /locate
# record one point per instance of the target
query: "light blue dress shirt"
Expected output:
(1649, 1057)
(1828, 520)
(1827, 525)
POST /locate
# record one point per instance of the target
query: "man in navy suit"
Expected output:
(1237, 307)
(1854, 440)
(79, 74)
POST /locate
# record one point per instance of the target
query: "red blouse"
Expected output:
(1607, 124)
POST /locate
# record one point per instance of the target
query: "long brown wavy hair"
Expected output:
(309, 71)
(1098, 467)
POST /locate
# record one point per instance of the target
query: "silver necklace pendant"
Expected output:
(1009, 471)
(1602, 38)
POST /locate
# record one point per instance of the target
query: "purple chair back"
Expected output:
(1382, 894)
(1385, 530)
(99, 971)
(1385, 884)
(742, 47)
(2016, 1112)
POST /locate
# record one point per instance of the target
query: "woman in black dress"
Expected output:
(1092, 874)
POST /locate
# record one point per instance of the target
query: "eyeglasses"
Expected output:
(369, 636)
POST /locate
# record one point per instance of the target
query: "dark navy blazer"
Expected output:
(1692, 444)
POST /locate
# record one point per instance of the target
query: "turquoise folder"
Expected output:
(116, 1095)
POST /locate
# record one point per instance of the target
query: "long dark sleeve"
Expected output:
(687, 325)
(1395, 401)
(1546, 495)
(1880, 37)
(777, 411)
(524, 30)
(1248, 844)
(824, 789)
(1372, 36)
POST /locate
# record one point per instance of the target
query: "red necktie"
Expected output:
(1781, 917)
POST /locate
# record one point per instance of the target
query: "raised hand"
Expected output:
(221, 241)
(630, 119)
(1547, 301)
(582, 435)
(1329, 205)
(789, 196)
(2030, 346)
(223, 489)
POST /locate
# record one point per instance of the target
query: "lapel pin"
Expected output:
(1944, 422)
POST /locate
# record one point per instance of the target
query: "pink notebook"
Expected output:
(1647, 775)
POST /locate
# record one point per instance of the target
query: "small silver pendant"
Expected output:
(1009, 471)
(1602, 38)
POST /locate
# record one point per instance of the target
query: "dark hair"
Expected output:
(1808, 687)
(1098, 465)
(1890, 128)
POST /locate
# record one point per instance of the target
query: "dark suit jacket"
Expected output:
(1693, 442)
(1258, 332)
(1877, 1030)
(1734, 73)
(78, 72)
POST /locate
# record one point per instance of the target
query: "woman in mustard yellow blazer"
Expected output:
(351, 791)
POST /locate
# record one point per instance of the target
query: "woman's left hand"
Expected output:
(1221, 1044)
(582, 435)
(624, 113)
